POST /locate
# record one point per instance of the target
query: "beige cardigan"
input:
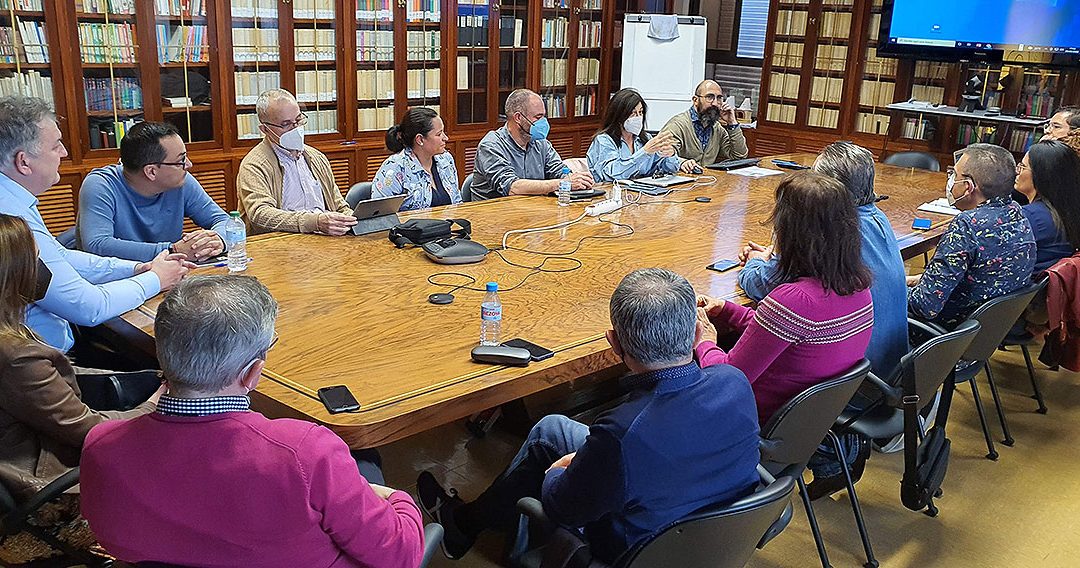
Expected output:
(723, 145)
(259, 186)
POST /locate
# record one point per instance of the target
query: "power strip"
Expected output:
(601, 207)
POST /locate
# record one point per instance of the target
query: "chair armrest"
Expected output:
(17, 518)
(766, 477)
(893, 395)
(931, 329)
(433, 535)
(532, 508)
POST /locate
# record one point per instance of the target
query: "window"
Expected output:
(754, 18)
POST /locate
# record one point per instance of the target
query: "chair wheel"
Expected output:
(938, 493)
(931, 510)
(872, 564)
(992, 456)
(1008, 442)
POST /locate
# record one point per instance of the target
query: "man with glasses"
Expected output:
(708, 132)
(988, 249)
(284, 184)
(1065, 122)
(136, 209)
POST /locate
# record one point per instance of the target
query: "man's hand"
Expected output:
(199, 245)
(689, 166)
(663, 144)
(727, 115)
(706, 331)
(562, 462)
(169, 267)
(381, 491)
(163, 389)
(580, 181)
(912, 280)
(712, 306)
(334, 223)
(754, 250)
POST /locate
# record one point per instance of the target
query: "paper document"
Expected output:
(940, 206)
(755, 172)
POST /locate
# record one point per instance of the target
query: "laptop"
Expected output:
(379, 214)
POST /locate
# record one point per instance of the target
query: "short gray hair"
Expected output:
(654, 315)
(992, 167)
(209, 328)
(517, 101)
(19, 126)
(852, 165)
(262, 105)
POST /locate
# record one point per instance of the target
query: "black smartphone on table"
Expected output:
(536, 353)
(338, 399)
(723, 265)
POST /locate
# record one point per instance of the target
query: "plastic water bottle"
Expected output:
(491, 316)
(564, 188)
(236, 242)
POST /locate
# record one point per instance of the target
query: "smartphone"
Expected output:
(723, 265)
(536, 353)
(338, 399)
(922, 224)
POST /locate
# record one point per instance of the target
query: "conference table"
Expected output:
(354, 310)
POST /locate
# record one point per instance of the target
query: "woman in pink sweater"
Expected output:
(817, 322)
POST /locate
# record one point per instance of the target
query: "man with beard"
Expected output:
(708, 132)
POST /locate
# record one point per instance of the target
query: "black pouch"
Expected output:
(925, 465)
(420, 231)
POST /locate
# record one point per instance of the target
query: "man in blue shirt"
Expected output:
(84, 289)
(136, 209)
(686, 438)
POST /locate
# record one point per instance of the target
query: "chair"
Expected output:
(917, 160)
(466, 188)
(117, 391)
(793, 434)
(996, 317)
(15, 517)
(720, 537)
(358, 192)
(1024, 340)
(928, 367)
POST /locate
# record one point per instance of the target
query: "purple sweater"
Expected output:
(239, 489)
(800, 335)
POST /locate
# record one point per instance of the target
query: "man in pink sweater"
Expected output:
(206, 482)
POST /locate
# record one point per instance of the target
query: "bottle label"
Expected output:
(490, 313)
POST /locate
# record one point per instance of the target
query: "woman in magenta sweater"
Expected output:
(817, 323)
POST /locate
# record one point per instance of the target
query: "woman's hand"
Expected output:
(706, 331)
(712, 306)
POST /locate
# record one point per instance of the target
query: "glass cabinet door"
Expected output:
(423, 54)
(374, 65)
(256, 59)
(555, 55)
(108, 58)
(471, 65)
(184, 59)
(787, 62)
(315, 58)
(25, 61)
(513, 52)
(590, 17)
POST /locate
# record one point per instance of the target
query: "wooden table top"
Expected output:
(354, 310)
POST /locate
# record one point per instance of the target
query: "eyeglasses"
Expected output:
(183, 163)
(709, 98)
(1020, 167)
(290, 124)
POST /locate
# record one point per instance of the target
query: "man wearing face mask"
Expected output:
(517, 159)
(285, 185)
(988, 249)
(708, 132)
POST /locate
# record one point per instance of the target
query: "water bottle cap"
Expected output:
(565, 170)
(492, 286)
(234, 214)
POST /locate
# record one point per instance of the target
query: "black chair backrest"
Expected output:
(932, 361)
(358, 192)
(724, 537)
(917, 160)
(793, 434)
(466, 188)
(997, 317)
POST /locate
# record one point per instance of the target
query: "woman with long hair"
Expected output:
(43, 421)
(622, 150)
(1049, 177)
(420, 168)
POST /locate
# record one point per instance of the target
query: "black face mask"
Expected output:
(44, 278)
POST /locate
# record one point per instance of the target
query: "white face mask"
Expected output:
(952, 199)
(634, 124)
(293, 139)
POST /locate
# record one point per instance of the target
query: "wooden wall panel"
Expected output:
(469, 163)
(565, 145)
(341, 164)
(217, 182)
(371, 164)
(765, 145)
(59, 203)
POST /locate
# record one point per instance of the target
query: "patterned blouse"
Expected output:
(402, 174)
(986, 252)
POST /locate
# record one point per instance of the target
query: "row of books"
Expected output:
(919, 129)
(553, 72)
(827, 89)
(511, 31)
(422, 11)
(585, 105)
(313, 9)
(180, 7)
(466, 69)
(30, 37)
(1021, 140)
(831, 57)
(472, 26)
(375, 84)
(105, 6)
(109, 133)
(590, 5)
(784, 85)
(255, 9)
(791, 22)
(835, 25)
(176, 44)
(255, 44)
(375, 45)
(879, 65)
(931, 70)
(375, 10)
(118, 93)
(555, 105)
(423, 45)
(787, 54)
(822, 117)
(1037, 104)
(877, 93)
(992, 98)
(28, 5)
(588, 33)
(872, 123)
(107, 43)
(929, 93)
(555, 33)
(314, 44)
(250, 84)
(420, 83)
(316, 86)
(588, 71)
(379, 118)
(875, 26)
(28, 83)
(556, 4)
(778, 112)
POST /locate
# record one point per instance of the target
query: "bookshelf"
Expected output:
(513, 48)
(27, 66)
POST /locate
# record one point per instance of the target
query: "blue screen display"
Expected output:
(1004, 24)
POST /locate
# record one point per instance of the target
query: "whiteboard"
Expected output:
(664, 72)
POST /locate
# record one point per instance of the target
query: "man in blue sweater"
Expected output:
(136, 209)
(686, 438)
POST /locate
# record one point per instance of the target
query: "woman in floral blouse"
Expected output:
(420, 169)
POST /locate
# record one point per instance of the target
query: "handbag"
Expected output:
(925, 464)
(420, 231)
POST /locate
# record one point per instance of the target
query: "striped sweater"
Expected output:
(800, 335)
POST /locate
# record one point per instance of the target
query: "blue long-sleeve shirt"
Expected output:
(114, 220)
(1051, 244)
(85, 289)
(881, 255)
(610, 160)
(687, 438)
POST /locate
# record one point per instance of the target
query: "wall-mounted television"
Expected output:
(1038, 31)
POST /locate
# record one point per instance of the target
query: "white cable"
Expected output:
(539, 229)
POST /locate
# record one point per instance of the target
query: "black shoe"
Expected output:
(825, 485)
(859, 466)
(441, 505)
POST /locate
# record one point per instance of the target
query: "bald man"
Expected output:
(708, 131)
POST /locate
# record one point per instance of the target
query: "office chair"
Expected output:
(917, 160)
(358, 192)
